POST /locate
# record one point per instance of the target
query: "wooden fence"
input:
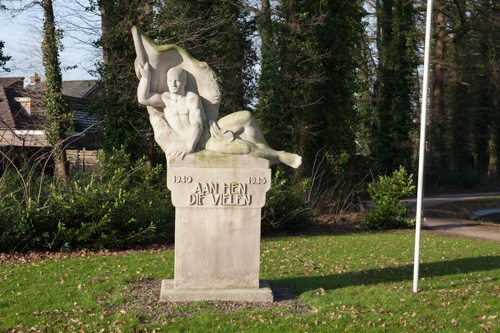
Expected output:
(83, 160)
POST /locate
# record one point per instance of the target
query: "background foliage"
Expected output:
(335, 81)
(121, 205)
(285, 208)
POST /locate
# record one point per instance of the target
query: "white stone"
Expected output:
(171, 294)
(217, 171)
(217, 221)
(182, 97)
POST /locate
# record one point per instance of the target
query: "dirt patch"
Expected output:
(143, 298)
(41, 255)
(339, 223)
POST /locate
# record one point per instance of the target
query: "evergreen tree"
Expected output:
(273, 87)
(125, 122)
(392, 143)
(307, 83)
(340, 40)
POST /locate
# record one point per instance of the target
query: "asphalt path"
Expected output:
(454, 228)
(446, 198)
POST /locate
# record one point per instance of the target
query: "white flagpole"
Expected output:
(423, 124)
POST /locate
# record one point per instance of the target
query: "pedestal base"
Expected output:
(218, 201)
(171, 294)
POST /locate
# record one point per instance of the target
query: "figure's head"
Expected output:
(176, 80)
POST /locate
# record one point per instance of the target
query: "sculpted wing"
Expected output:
(200, 78)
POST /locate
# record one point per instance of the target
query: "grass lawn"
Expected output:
(353, 281)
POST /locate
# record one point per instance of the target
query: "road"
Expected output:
(454, 228)
(445, 198)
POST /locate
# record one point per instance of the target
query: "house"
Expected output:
(22, 116)
(21, 125)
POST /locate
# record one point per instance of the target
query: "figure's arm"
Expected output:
(144, 94)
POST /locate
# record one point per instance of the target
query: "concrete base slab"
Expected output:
(171, 294)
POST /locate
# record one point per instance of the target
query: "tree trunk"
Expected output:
(150, 163)
(105, 29)
(265, 12)
(57, 111)
(438, 90)
(494, 167)
(264, 22)
(438, 117)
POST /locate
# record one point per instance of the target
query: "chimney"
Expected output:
(35, 79)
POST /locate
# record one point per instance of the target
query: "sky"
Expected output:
(22, 35)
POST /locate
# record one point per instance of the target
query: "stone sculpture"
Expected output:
(218, 173)
(182, 97)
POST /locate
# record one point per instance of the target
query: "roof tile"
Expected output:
(6, 118)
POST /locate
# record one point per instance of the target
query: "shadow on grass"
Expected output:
(390, 274)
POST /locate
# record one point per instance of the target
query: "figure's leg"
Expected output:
(264, 151)
(244, 126)
(238, 146)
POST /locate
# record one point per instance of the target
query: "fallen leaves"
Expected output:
(320, 292)
(352, 296)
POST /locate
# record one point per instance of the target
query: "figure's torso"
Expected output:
(177, 114)
(177, 111)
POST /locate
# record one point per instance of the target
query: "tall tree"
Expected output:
(340, 43)
(58, 113)
(393, 124)
(438, 123)
(464, 116)
(308, 80)
(125, 122)
(492, 36)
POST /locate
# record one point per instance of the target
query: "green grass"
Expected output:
(358, 282)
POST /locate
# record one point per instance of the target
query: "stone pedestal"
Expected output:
(218, 200)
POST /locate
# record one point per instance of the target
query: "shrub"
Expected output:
(285, 208)
(122, 206)
(387, 193)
